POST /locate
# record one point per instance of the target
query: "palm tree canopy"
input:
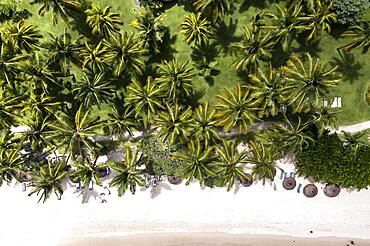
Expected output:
(103, 21)
(214, 9)
(360, 35)
(236, 109)
(196, 162)
(64, 8)
(93, 89)
(145, 100)
(129, 173)
(48, 179)
(205, 124)
(267, 89)
(228, 163)
(308, 82)
(22, 37)
(255, 47)
(95, 57)
(174, 123)
(126, 52)
(175, 79)
(196, 29)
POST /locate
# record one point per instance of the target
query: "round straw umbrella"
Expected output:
(331, 190)
(310, 190)
(174, 180)
(289, 183)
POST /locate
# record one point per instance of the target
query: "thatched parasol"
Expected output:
(310, 190)
(25, 177)
(246, 182)
(331, 190)
(289, 183)
(174, 180)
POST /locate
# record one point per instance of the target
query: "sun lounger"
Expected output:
(91, 185)
(282, 175)
(339, 102)
(292, 174)
(299, 188)
(24, 187)
(285, 175)
(335, 102)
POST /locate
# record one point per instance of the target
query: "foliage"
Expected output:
(367, 95)
(349, 12)
(360, 35)
(214, 9)
(332, 161)
(196, 29)
(160, 156)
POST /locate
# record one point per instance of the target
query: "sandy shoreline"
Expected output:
(214, 239)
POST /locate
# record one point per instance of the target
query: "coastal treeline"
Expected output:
(94, 84)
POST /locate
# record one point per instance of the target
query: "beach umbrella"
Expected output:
(25, 177)
(246, 182)
(331, 190)
(289, 183)
(310, 190)
(174, 180)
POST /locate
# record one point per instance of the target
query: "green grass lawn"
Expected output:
(355, 66)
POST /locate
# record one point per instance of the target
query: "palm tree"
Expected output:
(8, 105)
(144, 100)
(122, 121)
(103, 21)
(353, 140)
(175, 79)
(295, 136)
(324, 117)
(21, 37)
(62, 8)
(266, 89)
(95, 57)
(254, 48)
(196, 162)
(320, 18)
(126, 52)
(93, 89)
(8, 142)
(228, 163)
(73, 132)
(205, 124)
(236, 109)
(35, 136)
(150, 29)
(86, 171)
(286, 23)
(196, 29)
(36, 73)
(308, 83)
(174, 123)
(40, 104)
(62, 50)
(129, 173)
(360, 35)
(263, 160)
(214, 9)
(9, 64)
(48, 179)
(10, 165)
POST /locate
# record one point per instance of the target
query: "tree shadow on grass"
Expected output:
(312, 47)
(193, 100)
(246, 4)
(167, 52)
(348, 66)
(280, 57)
(225, 35)
(337, 30)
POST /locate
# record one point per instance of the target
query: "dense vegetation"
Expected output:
(100, 76)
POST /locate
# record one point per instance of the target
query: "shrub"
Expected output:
(159, 154)
(349, 12)
(367, 95)
(9, 10)
(332, 161)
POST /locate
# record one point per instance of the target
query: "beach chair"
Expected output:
(24, 187)
(292, 174)
(299, 188)
(339, 102)
(334, 103)
(282, 175)
(91, 185)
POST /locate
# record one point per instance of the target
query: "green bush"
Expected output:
(349, 12)
(332, 161)
(9, 10)
(160, 160)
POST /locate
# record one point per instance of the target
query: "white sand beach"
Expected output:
(260, 209)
